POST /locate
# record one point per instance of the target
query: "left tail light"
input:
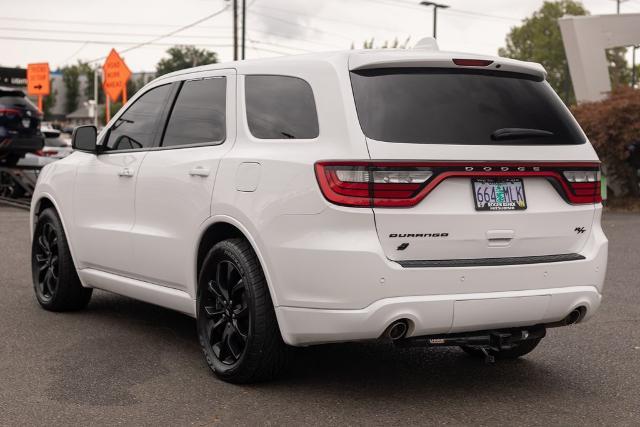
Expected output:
(372, 185)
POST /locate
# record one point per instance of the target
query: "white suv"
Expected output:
(425, 197)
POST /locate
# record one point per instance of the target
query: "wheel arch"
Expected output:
(42, 202)
(221, 228)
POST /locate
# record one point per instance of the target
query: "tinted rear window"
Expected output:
(198, 115)
(451, 106)
(280, 107)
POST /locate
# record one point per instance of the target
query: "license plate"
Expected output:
(499, 194)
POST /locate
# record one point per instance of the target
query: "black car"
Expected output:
(19, 126)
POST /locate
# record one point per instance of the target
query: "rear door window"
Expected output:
(199, 113)
(460, 106)
(280, 107)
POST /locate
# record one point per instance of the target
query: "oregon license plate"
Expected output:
(499, 194)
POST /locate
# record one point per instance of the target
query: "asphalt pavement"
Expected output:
(125, 362)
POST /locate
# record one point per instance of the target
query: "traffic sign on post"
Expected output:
(38, 82)
(116, 73)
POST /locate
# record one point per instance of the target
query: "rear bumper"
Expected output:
(337, 285)
(436, 314)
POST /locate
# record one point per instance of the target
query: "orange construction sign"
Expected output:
(38, 82)
(116, 73)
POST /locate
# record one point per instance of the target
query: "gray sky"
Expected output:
(274, 27)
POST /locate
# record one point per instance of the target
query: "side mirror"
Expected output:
(84, 138)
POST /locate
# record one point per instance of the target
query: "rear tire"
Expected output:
(55, 279)
(237, 326)
(525, 347)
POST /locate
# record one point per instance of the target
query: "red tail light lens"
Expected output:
(366, 185)
(584, 186)
(404, 184)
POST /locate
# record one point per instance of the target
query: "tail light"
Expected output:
(472, 62)
(584, 186)
(376, 185)
(401, 184)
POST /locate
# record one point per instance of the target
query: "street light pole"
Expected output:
(436, 6)
(235, 30)
(244, 25)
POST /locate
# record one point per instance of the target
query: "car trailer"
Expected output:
(18, 182)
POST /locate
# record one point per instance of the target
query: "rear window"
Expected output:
(280, 107)
(460, 106)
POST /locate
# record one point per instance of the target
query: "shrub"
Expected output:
(611, 125)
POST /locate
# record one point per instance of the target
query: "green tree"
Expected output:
(49, 101)
(538, 39)
(181, 57)
(71, 80)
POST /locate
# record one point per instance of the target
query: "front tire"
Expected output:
(55, 279)
(237, 326)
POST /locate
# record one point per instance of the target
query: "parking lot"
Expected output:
(126, 362)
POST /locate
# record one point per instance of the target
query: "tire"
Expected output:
(237, 329)
(9, 187)
(55, 279)
(525, 347)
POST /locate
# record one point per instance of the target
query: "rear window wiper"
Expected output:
(519, 133)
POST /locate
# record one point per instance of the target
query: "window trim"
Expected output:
(166, 117)
(278, 140)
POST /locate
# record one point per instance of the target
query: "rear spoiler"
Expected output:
(422, 58)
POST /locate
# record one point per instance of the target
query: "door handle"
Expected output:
(125, 172)
(200, 171)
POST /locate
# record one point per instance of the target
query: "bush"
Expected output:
(611, 125)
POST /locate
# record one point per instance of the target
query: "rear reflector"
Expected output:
(404, 184)
(472, 62)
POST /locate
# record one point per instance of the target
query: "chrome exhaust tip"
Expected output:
(396, 330)
(575, 316)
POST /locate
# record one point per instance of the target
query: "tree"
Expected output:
(49, 101)
(538, 39)
(611, 125)
(181, 57)
(395, 44)
(71, 80)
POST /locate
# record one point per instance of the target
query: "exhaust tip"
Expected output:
(396, 330)
(575, 316)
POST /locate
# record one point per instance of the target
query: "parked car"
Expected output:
(423, 197)
(19, 126)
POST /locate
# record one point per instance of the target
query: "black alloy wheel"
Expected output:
(55, 279)
(237, 326)
(228, 315)
(47, 262)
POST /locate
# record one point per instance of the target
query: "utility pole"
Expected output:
(235, 30)
(618, 5)
(244, 25)
(436, 6)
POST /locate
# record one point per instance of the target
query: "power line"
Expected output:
(102, 33)
(169, 34)
(297, 24)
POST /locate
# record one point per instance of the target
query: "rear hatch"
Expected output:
(19, 122)
(472, 163)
